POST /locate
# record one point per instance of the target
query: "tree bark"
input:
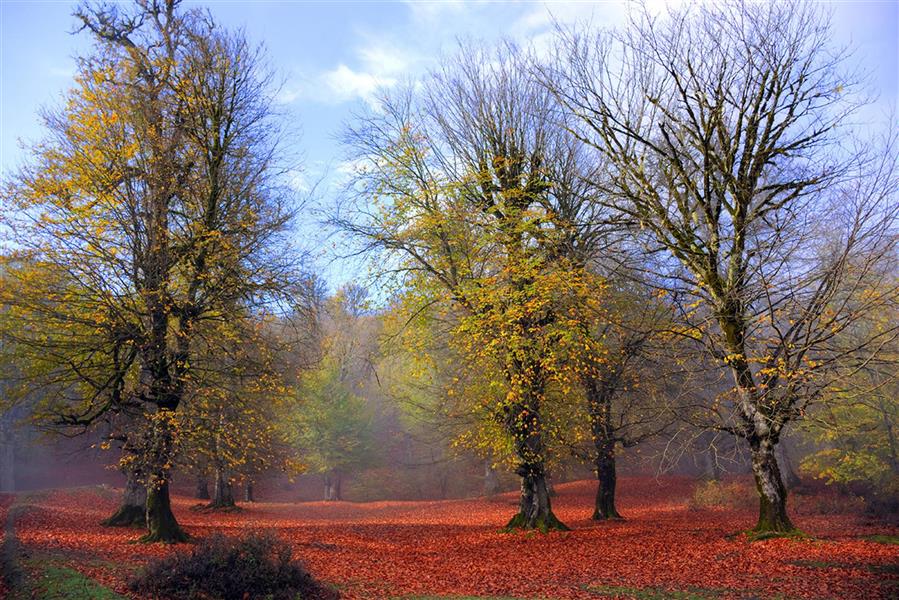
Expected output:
(333, 479)
(791, 479)
(491, 481)
(711, 471)
(607, 478)
(773, 517)
(133, 511)
(248, 491)
(763, 434)
(891, 437)
(202, 492)
(7, 454)
(443, 477)
(534, 507)
(599, 400)
(161, 523)
(223, 491)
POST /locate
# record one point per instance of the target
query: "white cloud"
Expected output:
(384, 59)
(287, 95)
(430, 12)
(347, 168)
(542, 18)
(375, 65)
(343, 84)
(298, 181)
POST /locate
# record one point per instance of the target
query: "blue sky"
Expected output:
(334, 55)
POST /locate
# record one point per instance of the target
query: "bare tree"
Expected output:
(725, 130)
(628, 392)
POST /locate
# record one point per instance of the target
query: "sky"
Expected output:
(333, 57)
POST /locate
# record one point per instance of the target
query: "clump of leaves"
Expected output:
(254, 566)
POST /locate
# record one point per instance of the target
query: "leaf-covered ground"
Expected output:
(453, 548)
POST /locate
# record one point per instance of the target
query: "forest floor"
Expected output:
(453, 548)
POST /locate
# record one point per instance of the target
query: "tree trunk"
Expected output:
(336, 481)
(7, 454)
(773, 516)
(607, 477)
(763, 436)
(444, 484)
(791, 479)
(534, 508)
(248, 491)
(223, 492)
(599, 398)
(711, 471)
(202, 492)
(333, 479)
(491, 481)
(133, 511)
(891, 437)
(161, 523)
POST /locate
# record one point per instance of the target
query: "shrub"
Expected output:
(256, 566)
(822, 497)
(835, 502)
(720, 494)
(884, 507)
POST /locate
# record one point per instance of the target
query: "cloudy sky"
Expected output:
(333, 56)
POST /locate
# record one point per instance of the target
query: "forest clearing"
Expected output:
(424, 300)
(452, 548)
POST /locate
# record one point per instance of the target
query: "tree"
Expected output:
(8, 412)
(237, 424)
(333, 422)
(459, 183)
(723, 131)
(153, 211)
(447, 407)
(333, 427)
(629, 388)
(856, 431)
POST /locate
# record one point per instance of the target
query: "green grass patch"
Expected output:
(62, 583)
(822, 564)
(758, 536)
(883, 539)
(658, 593)
(652, 593)
(456, 598)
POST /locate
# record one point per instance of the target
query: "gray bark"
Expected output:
(7, 455)
(223, 492)
(491, 481)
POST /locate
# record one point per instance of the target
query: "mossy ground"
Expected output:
(883, 539)
(543, 524)
(659, 593)
(50, 581)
